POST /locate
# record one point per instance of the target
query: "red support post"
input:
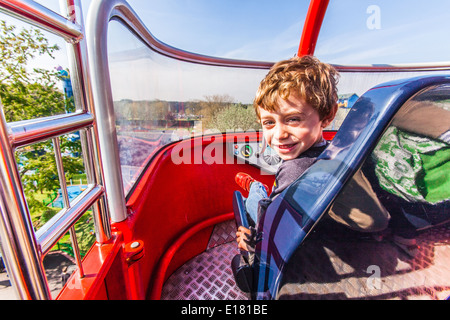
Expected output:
(311, 29)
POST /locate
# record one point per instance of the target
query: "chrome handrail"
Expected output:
(31, 131)
(18, 243)
(58, 225)
(34, 13)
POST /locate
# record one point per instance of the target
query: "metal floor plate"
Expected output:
(341, 266)
(208, 276)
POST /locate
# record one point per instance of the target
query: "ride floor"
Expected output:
(333, 263)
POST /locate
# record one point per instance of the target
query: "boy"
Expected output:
(294, 103)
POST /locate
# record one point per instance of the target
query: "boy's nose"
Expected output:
(281, 132)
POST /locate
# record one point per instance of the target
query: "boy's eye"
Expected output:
(293, 120)
(267, 123)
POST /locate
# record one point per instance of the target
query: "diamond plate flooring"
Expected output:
(341, 265)
(208, 276)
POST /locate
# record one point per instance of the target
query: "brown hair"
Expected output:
(306, 76)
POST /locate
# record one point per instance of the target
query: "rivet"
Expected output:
(135, 244)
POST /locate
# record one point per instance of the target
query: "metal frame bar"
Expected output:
(57, 226)
(34, 13)
(83, 94)
(31, 131)
(311, 30)
(18, 242)
(66, 200)
(103, 11)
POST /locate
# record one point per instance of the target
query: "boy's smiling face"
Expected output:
(293, 128)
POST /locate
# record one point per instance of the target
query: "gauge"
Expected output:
(247, 151)
(270, 156)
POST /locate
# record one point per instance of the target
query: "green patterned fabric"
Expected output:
(413, 167)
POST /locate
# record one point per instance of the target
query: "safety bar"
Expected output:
(59, 224)
(31, 131)
(22, 248)
(34, 13)
(66, 200)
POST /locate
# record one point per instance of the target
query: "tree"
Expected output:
(28, 94)
(211, 106)
(237, 117)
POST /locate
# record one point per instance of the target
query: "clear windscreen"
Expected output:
(159, 100)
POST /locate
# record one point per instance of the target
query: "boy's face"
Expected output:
(293, 128)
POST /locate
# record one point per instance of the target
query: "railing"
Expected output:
(24, 249)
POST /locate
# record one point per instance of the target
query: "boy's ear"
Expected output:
(329, 118)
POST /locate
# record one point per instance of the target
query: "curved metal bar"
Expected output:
(19, 245)
(120, 10)
(300, 207)
(393, 68)
(129, 17)
(31, 131)
(36, 14)
(98, 18)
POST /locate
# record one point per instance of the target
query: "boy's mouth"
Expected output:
(286, 147)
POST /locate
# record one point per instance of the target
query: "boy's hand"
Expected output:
(241, 235)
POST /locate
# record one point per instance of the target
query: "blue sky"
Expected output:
(232, 29)
(413, 31)
(407, 31)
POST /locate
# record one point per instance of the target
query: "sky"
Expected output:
(355, 32)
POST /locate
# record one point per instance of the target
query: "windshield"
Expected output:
(159, 100)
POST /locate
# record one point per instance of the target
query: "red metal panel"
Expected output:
(171, 198)
(160, 274)
(329, 135)
(311, 29)
(96, 265)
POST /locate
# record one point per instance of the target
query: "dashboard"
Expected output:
(253, 153)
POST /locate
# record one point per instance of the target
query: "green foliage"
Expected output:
(28, 94)
(236, 117)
